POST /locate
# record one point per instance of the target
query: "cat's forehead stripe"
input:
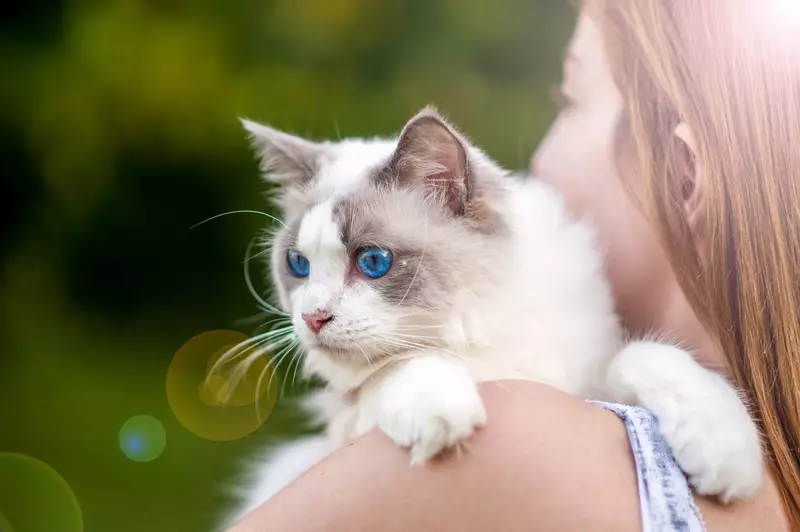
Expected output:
(342, 213)
(361, 222)
(319, 231)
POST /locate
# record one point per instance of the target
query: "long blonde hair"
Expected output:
(731, 71)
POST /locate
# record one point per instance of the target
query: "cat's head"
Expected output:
(382, 238)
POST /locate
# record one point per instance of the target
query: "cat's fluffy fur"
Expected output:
(491, 280)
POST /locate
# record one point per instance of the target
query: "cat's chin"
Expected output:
(350, 353)
(336, 351)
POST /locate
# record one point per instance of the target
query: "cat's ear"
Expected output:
(285, 159)
(432, 154)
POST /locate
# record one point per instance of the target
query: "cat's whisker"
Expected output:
(285, 322)
(415, 336)
(264, 336)
(272, 308)
(380, 347)
(376, 346)
(386, 357)
(242, 211)
(271, 369)
(358, 344)
(369, 358)
(274, 364)
(282, 386)
(243, 347)
(251, 288)
(400, 358)
(258, 389)
(296, 356)
(259, 349)
(410, 338)
(237, 374)
(408, 345)
(366, 356)
(413, 346)
(242, 367)
(419, 263)
(413, 312)
(251, 257)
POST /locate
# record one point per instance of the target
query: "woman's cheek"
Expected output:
(568, 160)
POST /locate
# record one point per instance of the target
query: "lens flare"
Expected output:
(790, 8)
(782, 17)
(142, 438)
(35, 498)
(234, 400)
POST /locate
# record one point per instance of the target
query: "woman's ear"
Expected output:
(692, 189)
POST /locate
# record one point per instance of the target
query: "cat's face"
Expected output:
(380, 235)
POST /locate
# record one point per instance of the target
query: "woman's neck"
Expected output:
(679, 323)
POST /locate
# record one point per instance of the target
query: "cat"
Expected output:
(414, 268)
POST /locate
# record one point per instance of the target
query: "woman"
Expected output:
(680, 138)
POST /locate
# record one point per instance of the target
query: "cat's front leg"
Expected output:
(428, 404)
(701, 416)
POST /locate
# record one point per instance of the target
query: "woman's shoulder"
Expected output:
(545, 461)
(570, 458)
(590, 447)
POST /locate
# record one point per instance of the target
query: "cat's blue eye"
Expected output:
(374, 262)
(298, 264)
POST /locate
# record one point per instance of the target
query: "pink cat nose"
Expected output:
(317, 319)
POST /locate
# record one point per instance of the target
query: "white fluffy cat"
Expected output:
(414, 268)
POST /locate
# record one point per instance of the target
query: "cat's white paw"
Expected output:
(719, 452)
(430, 405)
(703, 420)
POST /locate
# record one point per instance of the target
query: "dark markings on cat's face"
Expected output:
(283, 278)
(411, 280)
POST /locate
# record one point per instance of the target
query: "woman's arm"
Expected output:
(546, 461)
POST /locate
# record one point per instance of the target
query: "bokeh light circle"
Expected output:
(228, 404)
(142, 438)
(35, 498)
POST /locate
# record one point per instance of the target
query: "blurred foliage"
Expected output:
(119, 131)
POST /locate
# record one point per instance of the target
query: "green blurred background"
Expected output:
(119, 131)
